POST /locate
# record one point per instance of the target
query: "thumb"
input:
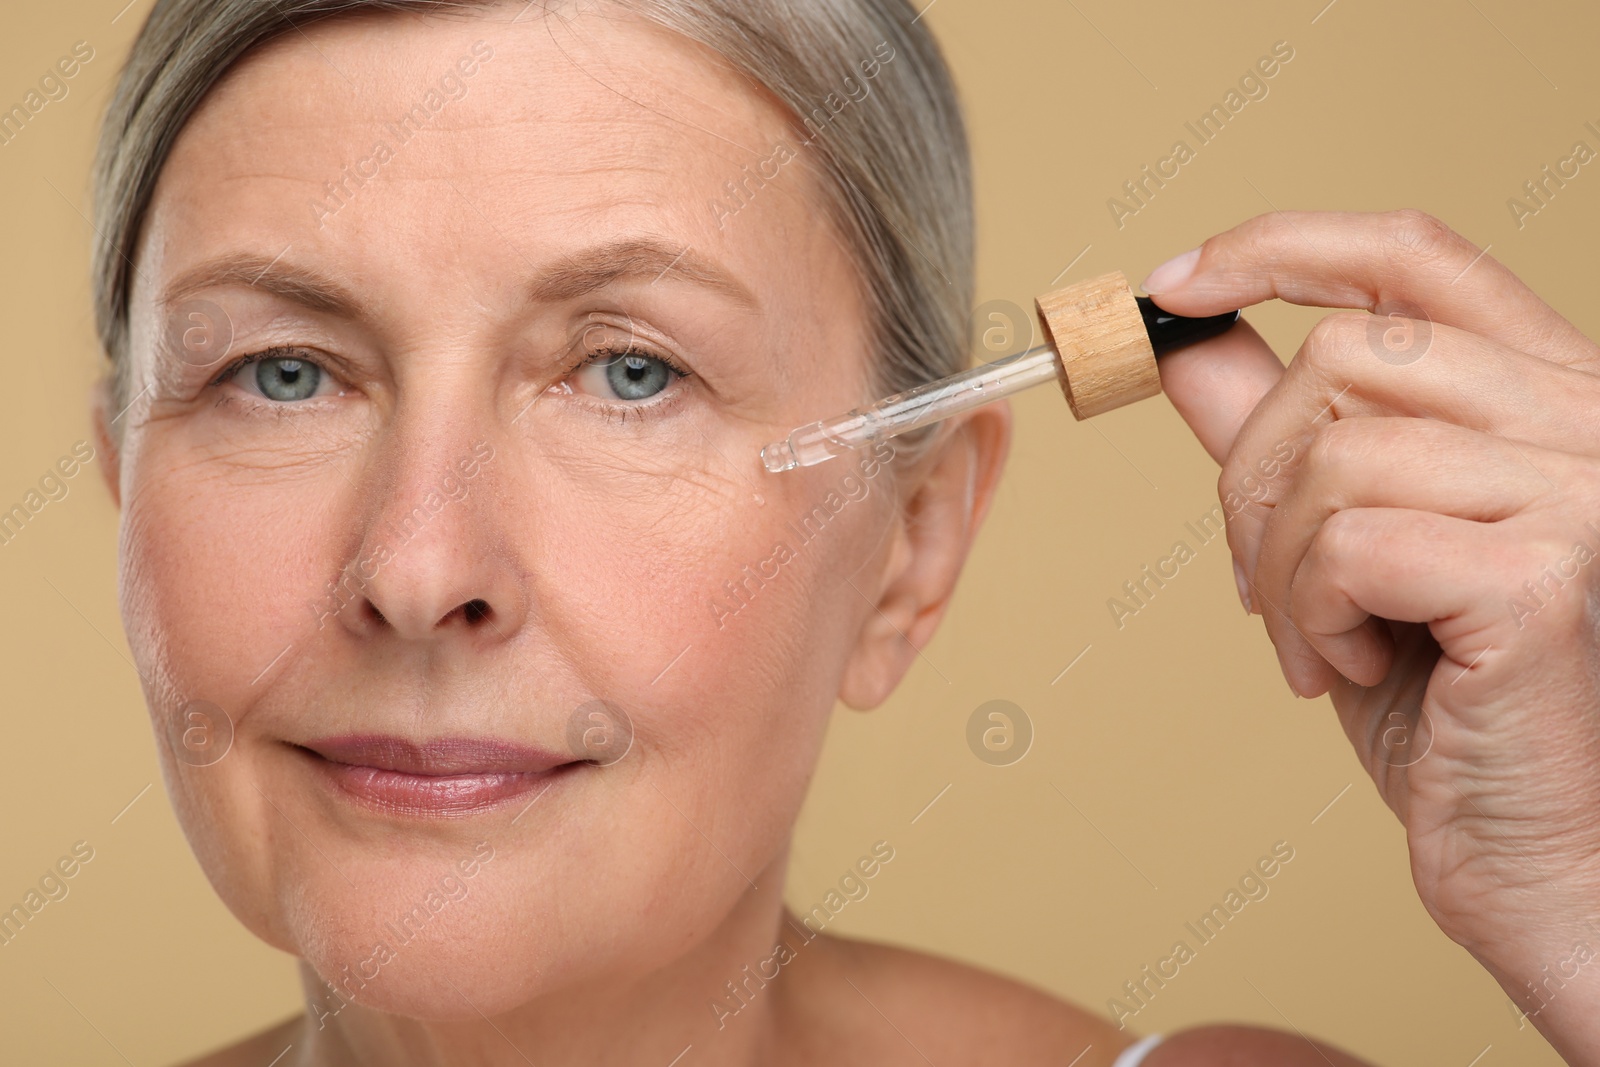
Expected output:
(1216, 384)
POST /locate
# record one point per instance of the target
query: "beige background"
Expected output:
(1166, 760)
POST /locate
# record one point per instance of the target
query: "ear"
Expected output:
(105, 444)
(951, 489)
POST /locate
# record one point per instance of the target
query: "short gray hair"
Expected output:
(896, 168)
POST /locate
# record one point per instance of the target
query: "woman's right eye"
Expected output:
(282, 379)
(625, 375)
(286, 379)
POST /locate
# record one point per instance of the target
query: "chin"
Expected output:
(444, 934)
(451, 976)
(428, 954)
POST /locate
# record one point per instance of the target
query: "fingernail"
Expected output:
(1171, 274)
(1244, 586)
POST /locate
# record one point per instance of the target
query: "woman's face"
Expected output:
(404, 553)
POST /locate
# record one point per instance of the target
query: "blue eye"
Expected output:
(286, 379)
(279, 375)
(625, 375)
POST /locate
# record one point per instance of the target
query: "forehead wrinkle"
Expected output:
(726, 70)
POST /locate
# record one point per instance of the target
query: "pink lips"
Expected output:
(443, 777)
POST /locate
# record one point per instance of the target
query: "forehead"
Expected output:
(470, 147)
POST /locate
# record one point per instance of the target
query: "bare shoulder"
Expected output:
(256, 1049)
(870, 1003)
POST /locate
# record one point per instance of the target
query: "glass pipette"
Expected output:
(989, 382)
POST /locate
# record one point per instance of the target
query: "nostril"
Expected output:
(472, 612)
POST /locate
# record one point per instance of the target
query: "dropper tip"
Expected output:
(778, 457)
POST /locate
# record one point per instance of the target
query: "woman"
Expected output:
(491, 671)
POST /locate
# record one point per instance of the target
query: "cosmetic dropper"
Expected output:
(1101, 346)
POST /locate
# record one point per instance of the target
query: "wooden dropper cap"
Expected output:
(1107, 341)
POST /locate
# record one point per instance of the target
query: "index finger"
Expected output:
(1217, 383)
(1404, 261)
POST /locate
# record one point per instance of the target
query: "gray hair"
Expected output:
(896, 168)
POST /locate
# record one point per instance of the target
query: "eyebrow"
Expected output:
(572, 276)
(584, 272)
(303, 287)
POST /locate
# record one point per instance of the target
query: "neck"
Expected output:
(720, 997)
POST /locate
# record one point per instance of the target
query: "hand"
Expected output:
(1414, 510)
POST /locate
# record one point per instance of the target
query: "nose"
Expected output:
(438, 557)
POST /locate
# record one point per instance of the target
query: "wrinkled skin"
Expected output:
(1427, 559)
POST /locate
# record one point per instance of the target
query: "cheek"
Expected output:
(217, 577)
(211, 586)
(734, 580)
(721, 624)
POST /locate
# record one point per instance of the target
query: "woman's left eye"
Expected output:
(625, 375)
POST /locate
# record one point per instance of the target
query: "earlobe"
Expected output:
(104, 441)
(934, 530)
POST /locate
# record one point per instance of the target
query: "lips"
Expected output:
(442, 777)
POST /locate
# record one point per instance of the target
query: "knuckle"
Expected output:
(1239, 486)
(1233, 501)
(1334, 343)
(1340, 444)
(1264, 235)
(1419, 234)
(1226, 479)
(1552, 584)
(1337, 331)
(1341, 542)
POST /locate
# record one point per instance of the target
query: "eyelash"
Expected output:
(277, 352)
(650, 408)
(252, 403)
(602, 354)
